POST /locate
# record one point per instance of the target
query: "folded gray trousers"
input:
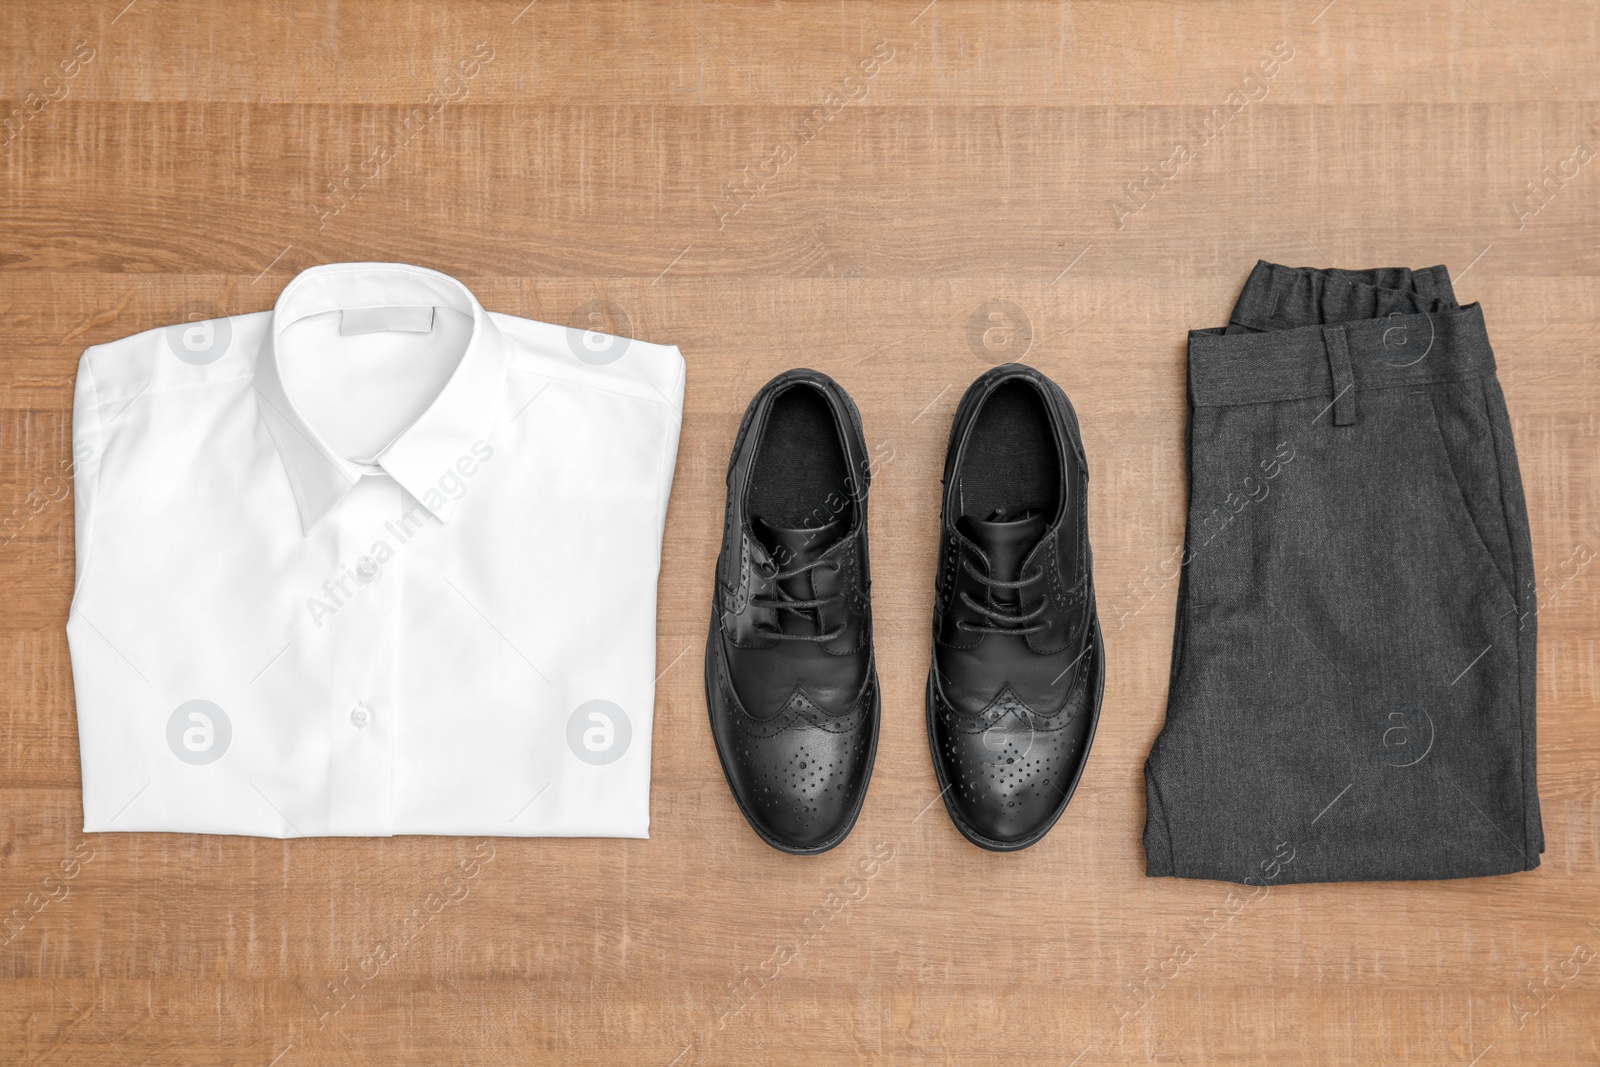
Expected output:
(1352, 690)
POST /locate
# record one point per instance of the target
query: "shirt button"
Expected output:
(360, 715)
(366, 570)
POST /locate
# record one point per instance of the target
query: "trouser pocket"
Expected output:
(1465, 440)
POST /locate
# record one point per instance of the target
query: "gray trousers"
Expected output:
(1352, 691)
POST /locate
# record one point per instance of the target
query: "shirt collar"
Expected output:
(463, 412)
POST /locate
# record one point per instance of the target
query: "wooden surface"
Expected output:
(185, 158)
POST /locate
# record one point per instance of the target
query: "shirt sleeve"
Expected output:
(87, 448)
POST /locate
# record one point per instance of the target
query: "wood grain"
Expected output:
(205, 152)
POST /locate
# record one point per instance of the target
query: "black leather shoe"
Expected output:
(790, 680)
(1018, 668)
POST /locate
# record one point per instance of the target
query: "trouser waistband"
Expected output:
(1277, 297)
(1299, 333)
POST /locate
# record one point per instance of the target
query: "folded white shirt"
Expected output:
(374, 562)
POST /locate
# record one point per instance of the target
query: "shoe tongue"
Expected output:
(1006, 538)
(795, 546)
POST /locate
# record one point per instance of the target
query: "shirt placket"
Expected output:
(363, 715)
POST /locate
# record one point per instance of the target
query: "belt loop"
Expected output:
(1344, 382)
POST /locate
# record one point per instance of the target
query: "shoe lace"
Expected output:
(1002, 621)
(809, 610)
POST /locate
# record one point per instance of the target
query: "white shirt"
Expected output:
(374, 562)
